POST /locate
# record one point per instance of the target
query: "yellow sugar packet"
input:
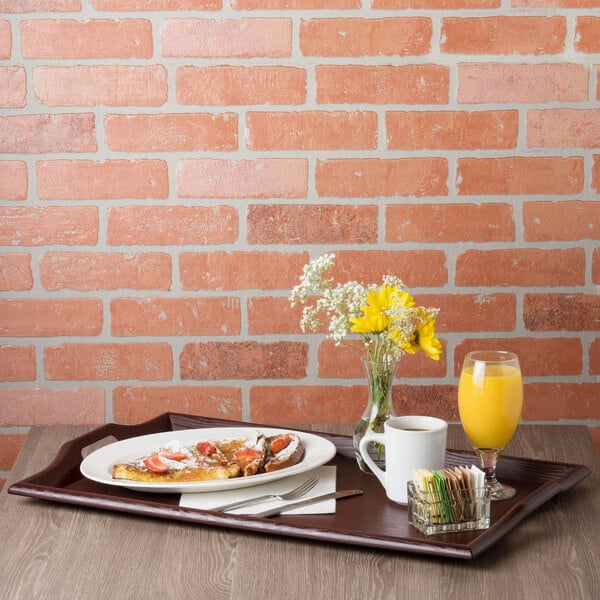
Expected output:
(422, 479)
(427, 489)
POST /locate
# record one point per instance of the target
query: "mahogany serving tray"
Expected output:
(369, 520)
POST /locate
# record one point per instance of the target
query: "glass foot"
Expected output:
(501, 491)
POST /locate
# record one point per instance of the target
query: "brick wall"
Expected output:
(165, 174)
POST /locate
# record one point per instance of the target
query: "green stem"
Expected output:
(380, 375)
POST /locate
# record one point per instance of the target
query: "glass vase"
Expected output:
(380, 377)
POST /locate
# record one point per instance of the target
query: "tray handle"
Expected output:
(72, 452)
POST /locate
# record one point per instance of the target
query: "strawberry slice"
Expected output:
(247, 453)
(171, 454)
(206, 448)
(278, 444)
(155, 464)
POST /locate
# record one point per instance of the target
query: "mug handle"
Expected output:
(372, 437)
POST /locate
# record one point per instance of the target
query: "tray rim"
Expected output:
(43, 485)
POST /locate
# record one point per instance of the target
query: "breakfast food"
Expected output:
(284, 449)
(212, 459)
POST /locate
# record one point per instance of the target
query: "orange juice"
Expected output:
(489, 403)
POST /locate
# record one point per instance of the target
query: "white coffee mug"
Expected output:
(411, 442)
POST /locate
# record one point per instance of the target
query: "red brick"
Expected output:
(26, 6)
(293, 4)
(243, 360)
(77, 362)
(561, 312)
(561, 221)
(240, 270)
(561, 3)
(382, 84)
(13, 87)
(15, 272)
(433, 400)
(96, 38)
(43, 225)
(596, 172)
(5, 39)
(515, 175)
(105, 271)
(311, 130)
(171, 132)
(563, 128)
(17, 363)
(259, 178)
(344, 362)
(41, 133)
(596, 266)
(281, 404)
(373, 177)
(273, 315)
(503, 35)
(90, 180)
(422, 268)
(311, 224)
(233, 85)
(529, 83)
(164, 225)
(345, 404)
(451, 130)
(13, 180)
(554, 401)
(521, 267)
(434, 4)
(30, 317)
(449, 223)
(538, 357)
(21, 407)
(155, 5)
(586, 34)
(139, 404)
(594, 357)
(90, 85)
(365, 37)
(226, 38)
(472, 312)
(10, 446)
(175, 316)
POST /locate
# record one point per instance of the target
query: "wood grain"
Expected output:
(57, 551)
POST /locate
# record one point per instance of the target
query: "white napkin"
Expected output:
(208, 500)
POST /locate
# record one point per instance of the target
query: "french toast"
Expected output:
(213, 459)
(176, 462)
(284, 450)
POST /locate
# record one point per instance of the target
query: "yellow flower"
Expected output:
(424, 339)
(406, 300)
(376, 312)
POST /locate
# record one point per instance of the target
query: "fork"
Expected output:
(297, 492)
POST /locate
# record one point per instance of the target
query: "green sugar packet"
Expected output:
(445, 505)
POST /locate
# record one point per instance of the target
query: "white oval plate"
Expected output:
(98, 465)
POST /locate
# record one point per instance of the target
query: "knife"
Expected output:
(275, 511)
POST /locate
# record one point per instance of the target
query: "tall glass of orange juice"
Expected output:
(490, 399)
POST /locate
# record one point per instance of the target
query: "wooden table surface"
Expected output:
(63, 552)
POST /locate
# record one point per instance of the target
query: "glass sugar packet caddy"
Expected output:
(439, 503)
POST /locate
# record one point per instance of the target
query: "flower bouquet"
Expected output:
(387, 322)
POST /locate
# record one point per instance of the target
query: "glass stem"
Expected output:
(488, 459)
